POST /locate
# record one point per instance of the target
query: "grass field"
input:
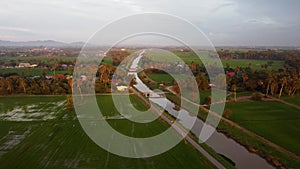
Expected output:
(107, 60)
(168, 79)
(273, 120)
(292, 99)
(161, 78)
(38, 132)
(189, 57)
(33, 71)
(170, 56)
(255, 64)
(249, 141)
(35, 59)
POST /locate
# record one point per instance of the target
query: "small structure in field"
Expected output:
(122, 88)
(27, 65)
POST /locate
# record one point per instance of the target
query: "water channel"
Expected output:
(218, 141)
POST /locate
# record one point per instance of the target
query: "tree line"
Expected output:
(275, 82)
(57, 85)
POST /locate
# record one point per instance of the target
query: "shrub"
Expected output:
(256, 96)
(227, 113)
(208, 100)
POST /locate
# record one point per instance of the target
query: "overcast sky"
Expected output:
(226, 22)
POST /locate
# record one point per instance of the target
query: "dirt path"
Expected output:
(287, 103)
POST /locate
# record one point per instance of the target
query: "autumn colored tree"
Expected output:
(70, 105)
(227, 113)
(23, 85)
(269, 81)
(208, 100)
(10, 87)
(193, 67)
(234, 91)
(283, 81)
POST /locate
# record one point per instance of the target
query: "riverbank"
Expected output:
(252, 143)
(218, 141)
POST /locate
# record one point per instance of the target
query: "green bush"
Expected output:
(256, 96)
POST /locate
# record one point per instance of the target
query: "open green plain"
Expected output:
(39, 132)
(33, 71)
(35, 59)
(292, 99)
(189, 57)
(273, 120)
(254, 64)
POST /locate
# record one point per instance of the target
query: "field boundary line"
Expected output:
(250, 133)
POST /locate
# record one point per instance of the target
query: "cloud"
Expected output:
(15, 29)
(224, 5)
(229, 21)
(9, 37)
(262, 21)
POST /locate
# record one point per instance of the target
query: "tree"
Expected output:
(208, 100)
(274, 87)
(193, 67)
(202, 81)
(227, 113)
(70, 83)
(105, 79)
(234, 91)
(54, 67)
(10, 86)
(283, 83)
(23, 85)
(176, 88)
(269, 81)
(101, 71)
(3, 84)
(45, 87)
(70, 68)
(69, 102)
(256, 96)
(110, 69)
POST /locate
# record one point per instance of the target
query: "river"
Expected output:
(218, 141)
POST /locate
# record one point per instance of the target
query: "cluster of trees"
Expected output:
(39, 61)
(14, 83)
(258, 54)
(39, 51)
(269, 83)
(117, 56)
(22, 85)
(285, 81)
(277, 82)
(57, 85)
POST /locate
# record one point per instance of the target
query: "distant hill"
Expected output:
(48, 43)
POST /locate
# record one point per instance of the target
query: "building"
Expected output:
(22, 65)
(49, 76)
(122, 88)
(231, 73)
(83, 77)
(60, 76)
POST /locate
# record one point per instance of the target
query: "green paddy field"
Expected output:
(39, 132)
